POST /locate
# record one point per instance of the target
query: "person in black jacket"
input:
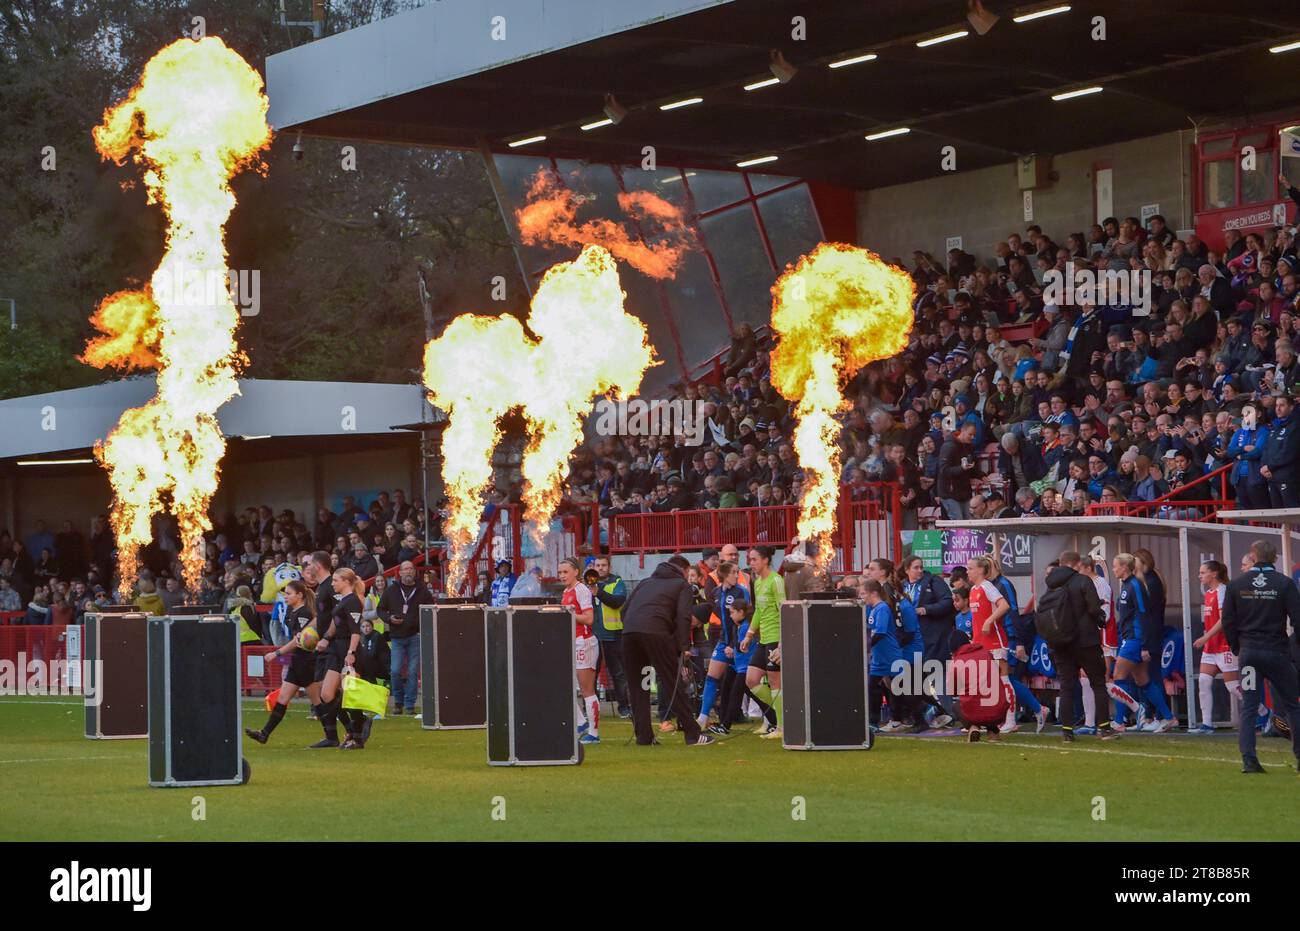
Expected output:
(956, 466)
(1020, 463)
(1281, 458)
(657, 633)
(399, 609)
(1084, 652)
(1255, 612)
(932, 598)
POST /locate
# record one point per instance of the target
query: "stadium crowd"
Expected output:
(1004, 404)
(1086, 405)
(56, 577)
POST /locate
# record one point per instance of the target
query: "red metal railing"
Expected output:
(711, 369)
(776, 525)
(508, 522)
(41, 642)
(1204, 506)
(47, 643)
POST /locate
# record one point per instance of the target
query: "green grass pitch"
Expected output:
(412, 784)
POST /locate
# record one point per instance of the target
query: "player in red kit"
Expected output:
(1217, 657)
(585, 646)
(988, 607)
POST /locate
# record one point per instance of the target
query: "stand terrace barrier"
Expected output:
(1202, 508)
(866, 528)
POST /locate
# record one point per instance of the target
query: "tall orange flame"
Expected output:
(482, 367)
(195, 119)
(837, 309)
(550, 217)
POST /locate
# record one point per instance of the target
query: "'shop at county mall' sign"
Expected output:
(944, 550)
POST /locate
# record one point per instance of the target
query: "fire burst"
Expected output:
(195, 119)
(835, 311)
(549, 217)
(482, 367)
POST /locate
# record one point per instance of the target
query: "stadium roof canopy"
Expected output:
(435, 75)
(62, 421)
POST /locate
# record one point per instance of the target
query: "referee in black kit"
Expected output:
(1255, 614)
(657, 632)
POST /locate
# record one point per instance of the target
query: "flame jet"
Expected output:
(480, 368)
(196, 118)
(836, 310)
(549, 217)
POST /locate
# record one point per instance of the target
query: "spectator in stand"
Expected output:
(1280, 462)
(10, 600)
(957, 467)
(743, 351)
(38, 609)
(148, 599)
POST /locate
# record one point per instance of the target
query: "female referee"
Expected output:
(338, 650)
(300, 614)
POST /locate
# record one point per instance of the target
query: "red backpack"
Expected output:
(975, 678)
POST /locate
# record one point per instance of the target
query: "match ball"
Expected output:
(308, 638)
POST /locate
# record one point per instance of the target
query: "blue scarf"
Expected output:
(1079, 324)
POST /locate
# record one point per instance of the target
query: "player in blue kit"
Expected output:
(728, 594)
(1131, 674)
(733, 606)
(885, 650)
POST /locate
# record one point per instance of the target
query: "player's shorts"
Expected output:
(1107, 650)
(302, 670)
(325, 662)
(739, 659)
(1130, 649)
(586, 650)
(998, 652)
(762, 658)
(1224, 662)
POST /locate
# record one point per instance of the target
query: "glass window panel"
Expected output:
(1257, 185)
(645, 303)
(701, 325)
(761, 183)
(745, 273)
(1217, 146)
(1220, 183)
(791, 222)
(1291, 168)
(1258, 140)
(716, 189)
(517, 172)
(666, 182)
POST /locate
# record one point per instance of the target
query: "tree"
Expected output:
(339, 252)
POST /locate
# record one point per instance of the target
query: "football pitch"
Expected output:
(413, 784)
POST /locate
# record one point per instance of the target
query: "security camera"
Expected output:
(781, 69)
(299, 150)
(614, 110)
